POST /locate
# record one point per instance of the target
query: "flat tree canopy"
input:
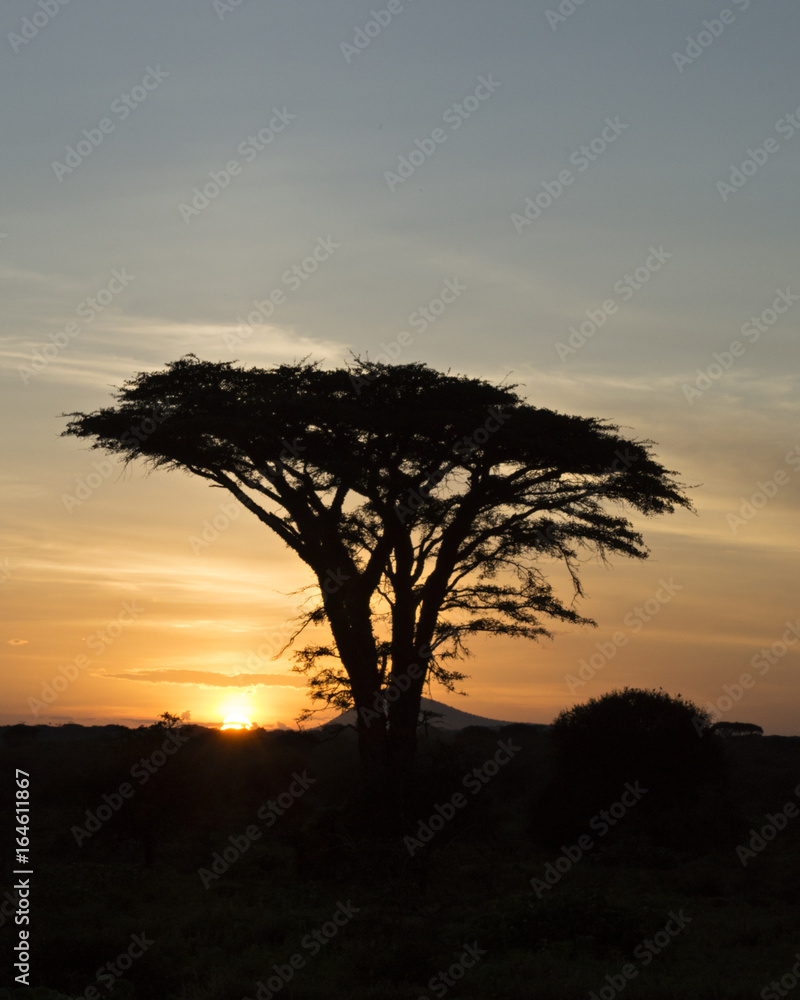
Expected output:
(425, 504)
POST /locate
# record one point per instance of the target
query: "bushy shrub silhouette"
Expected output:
(638, 734)
(736, 729)
(643, 736)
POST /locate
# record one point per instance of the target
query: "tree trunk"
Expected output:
(372, 747)
(350, 620)
(386, 743)
(402, 746)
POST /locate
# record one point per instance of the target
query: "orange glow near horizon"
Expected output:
(105, 626)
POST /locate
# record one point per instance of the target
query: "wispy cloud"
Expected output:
(207, 678)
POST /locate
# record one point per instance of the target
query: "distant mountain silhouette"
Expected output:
(452, 718)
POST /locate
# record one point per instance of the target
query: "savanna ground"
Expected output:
(403, 919)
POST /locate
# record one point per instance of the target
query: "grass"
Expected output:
(413, 915)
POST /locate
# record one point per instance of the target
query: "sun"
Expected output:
(236, 722)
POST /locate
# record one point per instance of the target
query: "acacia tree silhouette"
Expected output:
(421, 501)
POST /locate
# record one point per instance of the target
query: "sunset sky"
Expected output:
(606, 195)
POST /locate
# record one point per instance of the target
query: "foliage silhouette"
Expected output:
(736, 729)
(634, 735)
(423, 502)
(168, 721)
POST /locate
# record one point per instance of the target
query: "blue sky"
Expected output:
(644, 245)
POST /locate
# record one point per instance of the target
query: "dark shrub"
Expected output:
(634, 735)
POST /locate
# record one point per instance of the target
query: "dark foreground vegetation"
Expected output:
(245, 865)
